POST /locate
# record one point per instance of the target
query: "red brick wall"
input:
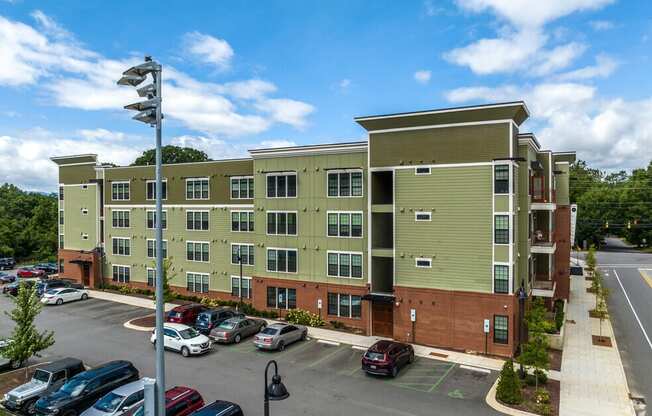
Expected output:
(74, 271)
(451, 319)
(562, 255)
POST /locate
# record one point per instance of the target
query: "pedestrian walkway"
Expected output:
(593, 381)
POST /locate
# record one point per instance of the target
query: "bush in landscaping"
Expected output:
(301, 317)
(125, 290)
(541, 403)
(337, 324)
(531, 379)
(509, 387)
(549, 327)
(559, 314)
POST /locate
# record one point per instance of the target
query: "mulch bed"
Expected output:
(601, 341)
(9, 380)
(555, 359)
(528, 392)
(594, 314)
(590, 290)
(148, 321)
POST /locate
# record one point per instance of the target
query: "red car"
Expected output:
(179, 401)
(387, 358)
(30, 271)
(185, 314)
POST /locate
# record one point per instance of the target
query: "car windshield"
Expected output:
(204, 317)
(109, 403)
(42, 376)
(74, 387)
(189, 333)
(174, 314)
(227, 325)
(269, 331)
(375, 356)
(52, 291)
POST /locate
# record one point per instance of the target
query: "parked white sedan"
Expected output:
(184, 339)
(61, 295)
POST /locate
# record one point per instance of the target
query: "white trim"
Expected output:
(199, 178)
(417, 213)
(238, 178)
(418, 259)
(416, 171)
(439, 126)
(78, 184)
(445, 110)
(154, 248)
(165, 211)
(350, 213)
(242, 244)
(117, 183)
(276, 212)
(287, 173)
(198, 242)
(350, 253)
(121, 210)
(147, 182)
(191, 206)
(325, 149)
(177, 164)
(202, 275)
(393, 228)
(121, 238)
(76, 164)
(277, 249)
(238, 277)
(249, 211)
(369, 256)
(338, 171)
(493, 276)
(120, 265)
(186, 211)
(432, 166)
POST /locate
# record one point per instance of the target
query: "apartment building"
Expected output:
(429, 230)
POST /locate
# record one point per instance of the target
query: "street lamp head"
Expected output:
(147, 116)
(143, 69)
(277, 390)
(148, 91)
(143, 105)
(131, 80)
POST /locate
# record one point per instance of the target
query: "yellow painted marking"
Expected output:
(646, 274)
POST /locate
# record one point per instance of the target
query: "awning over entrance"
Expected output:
(379, 297)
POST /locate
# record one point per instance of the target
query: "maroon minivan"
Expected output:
(387, 358)
(185, 314)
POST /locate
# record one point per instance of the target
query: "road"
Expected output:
(322, 379)
(630, 307)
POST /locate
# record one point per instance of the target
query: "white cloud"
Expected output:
(49, 25)
(557, 58)
(604, 66)
(286, 111)
(277, 143)
(209, 49)
(422, 76)
(101, 134)
(345, 83)
(600, 25)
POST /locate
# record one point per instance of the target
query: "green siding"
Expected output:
(501, 203)
(562, 183)
(459, 236)
(75, 198)
(71, 175)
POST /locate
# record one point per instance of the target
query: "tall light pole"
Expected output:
(150, 113)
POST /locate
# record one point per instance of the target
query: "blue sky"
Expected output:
(248, 74)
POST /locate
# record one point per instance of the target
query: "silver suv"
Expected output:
(45, 380)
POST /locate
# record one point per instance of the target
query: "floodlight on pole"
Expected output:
(150, 113)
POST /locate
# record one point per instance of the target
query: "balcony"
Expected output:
(542, 197)
(543, 242)
(544, 288)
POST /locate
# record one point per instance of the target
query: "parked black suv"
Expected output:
(211, 318)
(7, 263)
(48, 268)
(84, 389)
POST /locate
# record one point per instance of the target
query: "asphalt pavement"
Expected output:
(628, 275)
(322, 379)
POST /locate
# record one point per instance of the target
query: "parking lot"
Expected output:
(323, 378)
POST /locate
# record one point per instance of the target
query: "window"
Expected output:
(84, 211)
(501, 179)
(151, 248)
(344, 305)
(197, 188)
(422, 216)
(61, 263)
(281, 298)
(282, 223)
(501, 329)
(282, 185)
(242, 221)
(61, 217)
(119, 191)
(120, 218)
(61, 193)
(151, 189)
(151, 217)
(197, 282)
(344, 184)
(197, 220)
(246, 286)
(121, 274)
(501, 229)
(422, 262)
(344, 264)
(422, 171)
(344, 224)
(242, 187)
(121, 246)
(501, 279)
(61, 241)
(282, 260)
(84, 236)
(244, 250)
(151, 277)
(197, 251)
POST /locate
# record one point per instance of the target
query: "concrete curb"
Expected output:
(499, 407)
(129, 325)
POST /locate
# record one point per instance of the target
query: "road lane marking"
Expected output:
(633, 310)
(441, 379)
(359, 348)
(327, 342)
(477, 369)
(646, 274)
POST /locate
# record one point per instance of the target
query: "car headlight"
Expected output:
(54, 411)
(195, 345)
(18, 401)
(5, 397)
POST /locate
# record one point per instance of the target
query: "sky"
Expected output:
(240, 75)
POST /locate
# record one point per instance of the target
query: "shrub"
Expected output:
(549, 327)
(531, 379)
(509, 387)
(337, 324)
(541, 403)
(125, 290)
(559, 314)
(301, 317)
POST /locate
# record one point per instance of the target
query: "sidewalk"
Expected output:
(593, 381)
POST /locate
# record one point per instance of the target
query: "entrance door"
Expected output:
(382, 315)
(86, 275)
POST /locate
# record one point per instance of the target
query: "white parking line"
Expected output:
(359, 348)
(324, 341)
(633, 310)
(478, 369)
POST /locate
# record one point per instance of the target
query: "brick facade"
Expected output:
(562, 256)
(83, 267)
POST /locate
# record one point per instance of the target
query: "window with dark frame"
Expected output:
(151, 190)
(244, 250)
(344, 224)
(501, 329)
(61, 193)
(345, 184)
(282, 260)
(282, 185)
(151, 248)
(422, 171)
(242, 187)
(344, 305)
(501, 179)
(242, 221)
(197, 220)
(197, 282)
(61, 217)
(120, 218)
(282, 223)
(501, 278)
(151, 216)
(197, 188)
(501, 229)
(281, 298)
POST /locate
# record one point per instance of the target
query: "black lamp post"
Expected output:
(521, 332)
(276, 389)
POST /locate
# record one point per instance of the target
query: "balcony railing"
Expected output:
(540, 192)
(542, 237)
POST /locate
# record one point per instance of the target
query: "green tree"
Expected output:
(509, 386)
(168, 296)
(601, 307)
(26, 341)
(596, 286)
(171, 154)
(535, 352)
(590, 259)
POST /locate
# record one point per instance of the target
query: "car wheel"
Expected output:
(281, 346)
(30, 407)
(394, 371)
(237, 339)
(185, 351)
(411, 360)
(70, 413)
(304, 335)
(59, 301)
(84, 296)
